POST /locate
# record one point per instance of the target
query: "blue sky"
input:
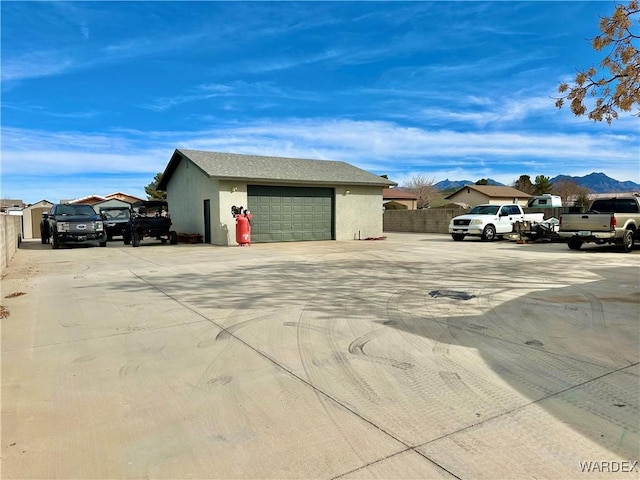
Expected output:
(97, 95)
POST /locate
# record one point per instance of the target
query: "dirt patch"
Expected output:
(15, 294)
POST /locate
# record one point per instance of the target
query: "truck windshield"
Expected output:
(484, 210)
(75, 210)
(116, 214)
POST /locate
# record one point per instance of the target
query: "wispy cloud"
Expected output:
(109, 89)
(237, 89)
(375, 145)
(35, 64)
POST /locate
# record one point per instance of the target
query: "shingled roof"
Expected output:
(255, 168)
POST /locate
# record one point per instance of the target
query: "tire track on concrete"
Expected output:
(356, 347)
(454, 375)
(319, 391)
(599, 322)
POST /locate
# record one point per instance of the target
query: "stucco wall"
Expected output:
(10, 235)
(231, 194)
(186, 192)
(358, 214)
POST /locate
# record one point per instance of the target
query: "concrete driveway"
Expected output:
(410, 357)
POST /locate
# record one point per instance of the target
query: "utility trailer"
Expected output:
(545, 230)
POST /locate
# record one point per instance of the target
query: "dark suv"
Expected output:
(116, 222)
(73, 224)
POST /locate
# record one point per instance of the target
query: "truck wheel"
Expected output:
(54, 241)
(173, 238)
(489, 233)
(575, 244)
(136, 239)
(627, 241)
(126, 238)
(457, 237)
(109, 237)
(43, 239)
(103, 244)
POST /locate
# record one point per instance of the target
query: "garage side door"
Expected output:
(290, 214)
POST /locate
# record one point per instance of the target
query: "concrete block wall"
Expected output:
(10, 237)
(428, 220)
(436, 220)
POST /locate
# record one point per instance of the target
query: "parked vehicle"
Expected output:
(612, 220)
(545, 201)
(73, 224)
(116, 222)
(150, 219)
(45, 234)
(489, 221)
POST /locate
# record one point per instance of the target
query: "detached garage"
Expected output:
(290, 199)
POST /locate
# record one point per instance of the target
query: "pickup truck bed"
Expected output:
(609, 221)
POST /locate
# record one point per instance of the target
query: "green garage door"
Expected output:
(290, 214)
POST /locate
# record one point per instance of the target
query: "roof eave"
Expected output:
(282, 181)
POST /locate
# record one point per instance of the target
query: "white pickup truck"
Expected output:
(490, 221)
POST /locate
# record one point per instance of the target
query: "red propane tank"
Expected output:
(243, 230)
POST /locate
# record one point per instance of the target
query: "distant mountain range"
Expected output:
(600, 183)
(596, 182)
(451, 184)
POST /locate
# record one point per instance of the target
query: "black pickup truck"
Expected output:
(116, 222)
(73, 224)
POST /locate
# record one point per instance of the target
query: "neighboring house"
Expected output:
(118, 199)
(9, 204)
(571, 200)
(395, 199)
(88, 200)
(111, 202)
(31, 217)
(290, 199)
(124, 197)
(478, 194)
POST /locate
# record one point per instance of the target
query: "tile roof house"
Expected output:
(478, 194)
(396, 199)
(88, 200)
(6, 203)
(124, 197)
(117, 197)
(291, 199)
